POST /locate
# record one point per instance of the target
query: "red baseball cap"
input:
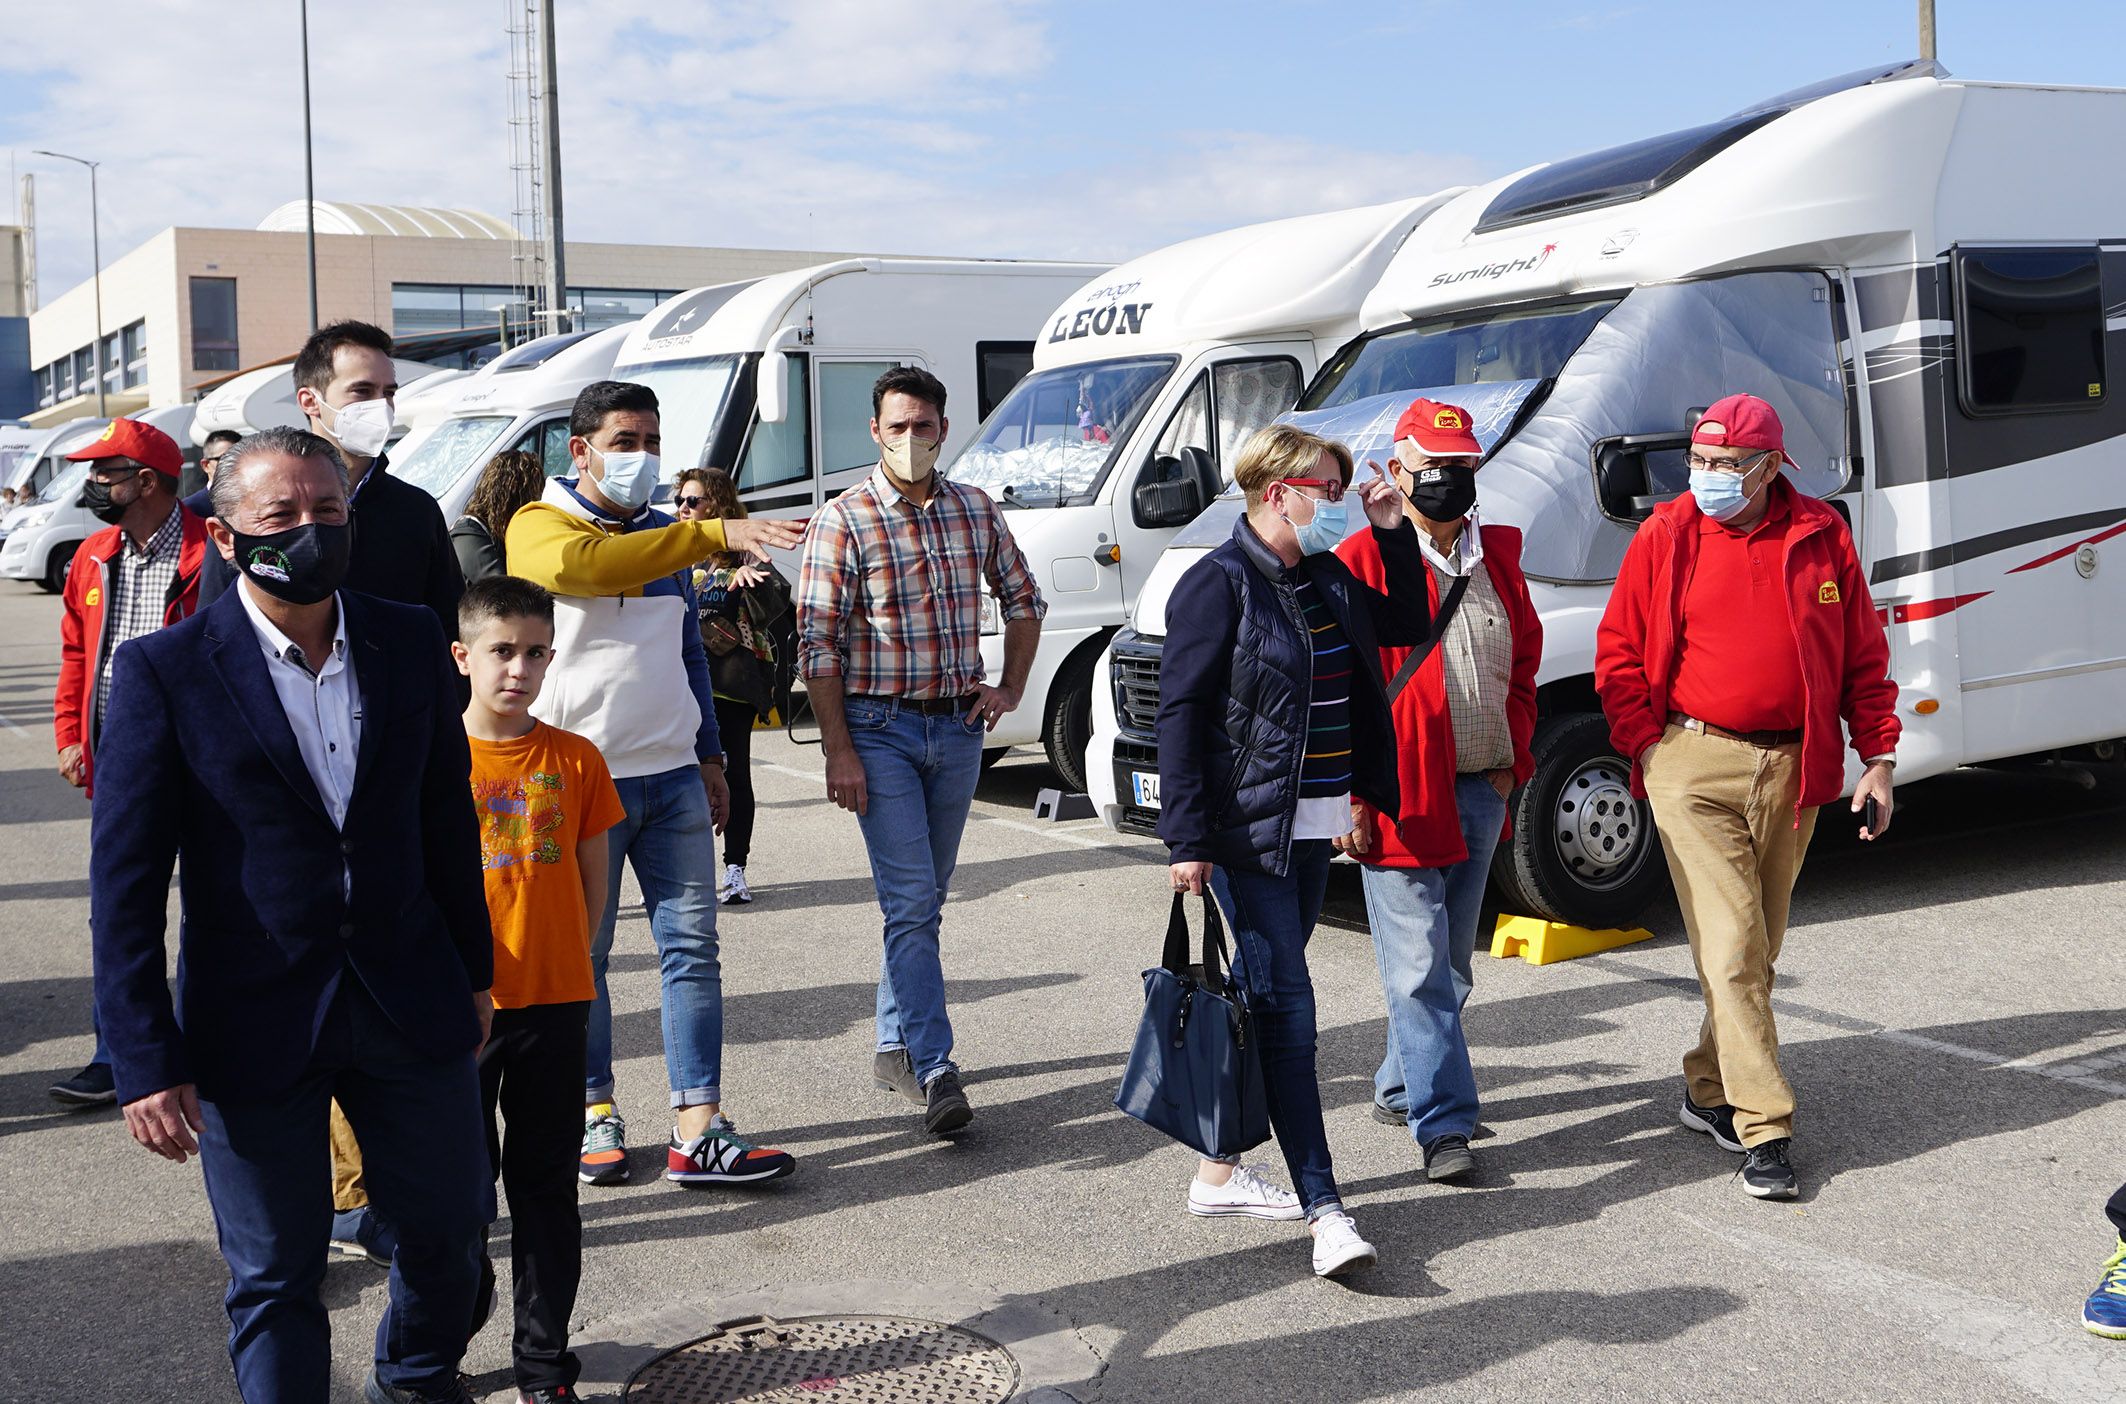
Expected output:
(1741, 421)
(1442, 431)
(143, 443)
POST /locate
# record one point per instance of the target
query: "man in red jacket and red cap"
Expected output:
(133, 577)
(1463, 721)
(1739, 633)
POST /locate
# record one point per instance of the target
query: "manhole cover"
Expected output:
(847, 1358)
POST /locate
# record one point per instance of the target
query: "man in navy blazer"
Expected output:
(334, 939)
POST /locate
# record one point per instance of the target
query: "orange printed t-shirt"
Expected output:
(538, 797)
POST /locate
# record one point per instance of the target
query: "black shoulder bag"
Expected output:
(1423, 651)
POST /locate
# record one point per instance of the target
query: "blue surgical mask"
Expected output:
(1322, 532)
(1721, 496)
(630, 478)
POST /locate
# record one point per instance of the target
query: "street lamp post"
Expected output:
(96, 257)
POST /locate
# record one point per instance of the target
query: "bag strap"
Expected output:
(1423, 651)
(1217, 964)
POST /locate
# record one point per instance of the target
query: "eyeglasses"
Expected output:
(691, 504)
(1738, 467)
(1331, 489)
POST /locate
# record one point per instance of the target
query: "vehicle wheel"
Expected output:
(1068, 728)
(1584, 851)
(56, 568)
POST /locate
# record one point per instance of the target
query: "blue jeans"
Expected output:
(1271, 918)
(1424, 936)
(667, 837)
(920, 773)
(268, 1178)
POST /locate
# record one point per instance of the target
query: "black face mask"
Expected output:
(1443, 494)
(109, 510)
(301, 565)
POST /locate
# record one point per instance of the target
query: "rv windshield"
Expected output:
(1051, 441)
(441, 458)
(690, 399)
(65, 485)
(1470, 349)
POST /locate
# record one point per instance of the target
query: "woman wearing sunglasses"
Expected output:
(741, 659)
(1273, 716)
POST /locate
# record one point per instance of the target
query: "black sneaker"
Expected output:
(375, 1391)
(946, 1108)
(1389, 1116)
(1716, 1122)
(1448, 1157)
(892, 1071)
(1766, 1173)
(93, 1086)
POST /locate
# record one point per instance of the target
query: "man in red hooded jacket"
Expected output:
(133, 577)
(1739, 633)
(1463, 722)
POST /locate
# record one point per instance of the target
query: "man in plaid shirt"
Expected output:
(889, 623)
(131, 578)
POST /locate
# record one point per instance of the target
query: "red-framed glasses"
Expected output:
(1332, 489)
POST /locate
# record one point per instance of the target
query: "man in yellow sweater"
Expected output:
(629, 673)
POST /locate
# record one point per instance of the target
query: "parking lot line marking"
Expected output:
(2029, 1348)
(2069, 1072)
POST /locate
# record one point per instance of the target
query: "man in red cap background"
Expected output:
(133, 577)
(1739, 633)
(1463, 722)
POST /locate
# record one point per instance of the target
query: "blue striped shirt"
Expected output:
(1326, 771)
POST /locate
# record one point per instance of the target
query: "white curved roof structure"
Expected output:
(340, 217)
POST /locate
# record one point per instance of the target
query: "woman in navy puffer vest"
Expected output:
(1272, 714)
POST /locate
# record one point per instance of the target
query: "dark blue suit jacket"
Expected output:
(203, 768)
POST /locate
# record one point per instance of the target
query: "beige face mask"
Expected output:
(908, 458)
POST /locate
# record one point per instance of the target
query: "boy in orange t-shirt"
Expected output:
(545, 802)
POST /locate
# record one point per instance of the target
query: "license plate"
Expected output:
(1145, 785)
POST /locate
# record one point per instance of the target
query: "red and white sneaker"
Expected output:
(720, 1156)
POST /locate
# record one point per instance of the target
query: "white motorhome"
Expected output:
(1930, 307)
(420, 406)
(265, 396)
(518, 402)
(38, 541)
(1145, 383)
(772, 379)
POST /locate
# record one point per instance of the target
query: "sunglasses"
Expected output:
(692, 504)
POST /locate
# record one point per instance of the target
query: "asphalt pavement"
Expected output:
(1950, 1006)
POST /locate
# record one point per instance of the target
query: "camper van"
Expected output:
(41, 538)
(265, 396)
(517, 402)
(772, 379)
(1932, 312)
(420, 406)
(1145, 383)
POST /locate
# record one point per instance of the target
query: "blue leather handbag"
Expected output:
(1195, 1072)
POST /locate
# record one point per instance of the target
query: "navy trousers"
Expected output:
(269, 1178)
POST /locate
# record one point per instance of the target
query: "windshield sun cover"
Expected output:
(1052, 440)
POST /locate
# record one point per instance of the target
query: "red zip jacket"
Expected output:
(84, 632)
(1845, 657)
(1428, 832)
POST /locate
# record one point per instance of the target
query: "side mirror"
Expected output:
(1175, 488)
(772, 380)
(1635, 473)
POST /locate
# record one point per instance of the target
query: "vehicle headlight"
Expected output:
(36, 519)
(992, 615)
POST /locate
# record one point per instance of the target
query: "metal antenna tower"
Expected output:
(528, 216)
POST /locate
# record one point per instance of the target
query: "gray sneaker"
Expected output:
(892, 1071)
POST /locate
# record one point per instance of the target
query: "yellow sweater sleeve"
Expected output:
(571, 556)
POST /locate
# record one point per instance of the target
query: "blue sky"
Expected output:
(1001, 127)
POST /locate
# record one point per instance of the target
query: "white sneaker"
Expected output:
(734, 892)
(1247, 1194)
(1337, 1247)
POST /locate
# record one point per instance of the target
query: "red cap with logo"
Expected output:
(143, 443)
(1744, 422)
(1441, 431)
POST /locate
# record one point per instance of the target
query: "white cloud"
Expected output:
(874, 124)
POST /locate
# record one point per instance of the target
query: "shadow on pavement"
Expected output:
(811, 1014)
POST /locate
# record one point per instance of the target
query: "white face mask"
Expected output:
(363, 427)
(630, 478)
(908, 458)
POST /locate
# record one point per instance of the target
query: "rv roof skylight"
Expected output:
(1612, 177)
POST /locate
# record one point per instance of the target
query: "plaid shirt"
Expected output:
(890, 594)
(139, 583)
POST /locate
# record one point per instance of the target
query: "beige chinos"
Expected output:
(1725, 811)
